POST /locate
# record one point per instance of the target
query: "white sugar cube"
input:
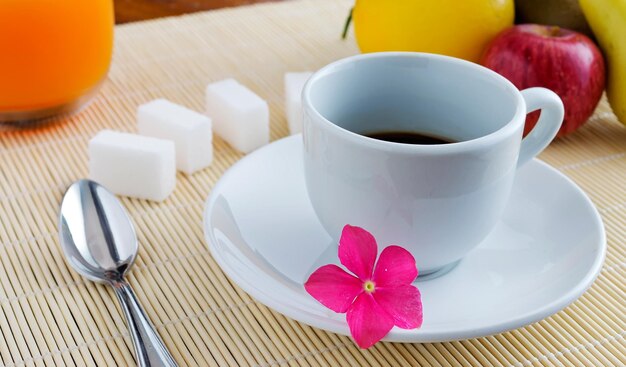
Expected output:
(133, 165)
(294, 82)
(189, 130)
(239, 116)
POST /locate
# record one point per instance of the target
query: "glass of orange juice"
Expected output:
(55, 54)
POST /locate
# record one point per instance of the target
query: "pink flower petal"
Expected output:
(333, 287)
(357, 251)
(403, 303)
(368, 321)
(395, 267)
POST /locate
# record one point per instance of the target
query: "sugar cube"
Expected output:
(239, 116)
(133, 165)
(294, 82)
(189, 130)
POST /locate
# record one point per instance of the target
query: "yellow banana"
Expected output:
(607, 19)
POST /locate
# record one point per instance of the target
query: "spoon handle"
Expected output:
(149, 347)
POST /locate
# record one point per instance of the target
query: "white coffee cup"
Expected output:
(437, 201)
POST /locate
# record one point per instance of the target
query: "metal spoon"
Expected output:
(99, 242)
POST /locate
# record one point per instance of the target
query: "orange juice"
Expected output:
(54, 52)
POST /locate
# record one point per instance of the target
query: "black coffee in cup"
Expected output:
(409, 137)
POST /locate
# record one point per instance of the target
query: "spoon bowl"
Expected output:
(97, 236)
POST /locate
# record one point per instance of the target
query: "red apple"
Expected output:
(567, 62)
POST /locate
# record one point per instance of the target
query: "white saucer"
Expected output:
(544, 254)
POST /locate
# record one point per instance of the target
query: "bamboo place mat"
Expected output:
(51, 316)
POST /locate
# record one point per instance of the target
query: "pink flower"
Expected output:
(379, 297)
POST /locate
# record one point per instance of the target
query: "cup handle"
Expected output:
(547, 126)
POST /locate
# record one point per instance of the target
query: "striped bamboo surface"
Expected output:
(51, 316)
